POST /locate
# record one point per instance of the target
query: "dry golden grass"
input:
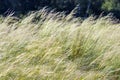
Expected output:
(52, 46)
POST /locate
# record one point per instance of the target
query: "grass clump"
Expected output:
(52, 46)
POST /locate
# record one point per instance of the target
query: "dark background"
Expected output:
(84, 8)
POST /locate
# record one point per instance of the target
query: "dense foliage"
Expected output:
(87, 7)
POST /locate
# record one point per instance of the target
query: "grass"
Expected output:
(52, 46)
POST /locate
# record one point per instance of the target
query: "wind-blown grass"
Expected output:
(52, 46)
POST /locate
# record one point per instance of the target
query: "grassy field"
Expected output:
(52, 46)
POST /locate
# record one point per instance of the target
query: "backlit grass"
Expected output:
(52, 46)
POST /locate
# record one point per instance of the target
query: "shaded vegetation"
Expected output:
(86, 7)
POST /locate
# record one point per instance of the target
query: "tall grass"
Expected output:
(52, 46)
